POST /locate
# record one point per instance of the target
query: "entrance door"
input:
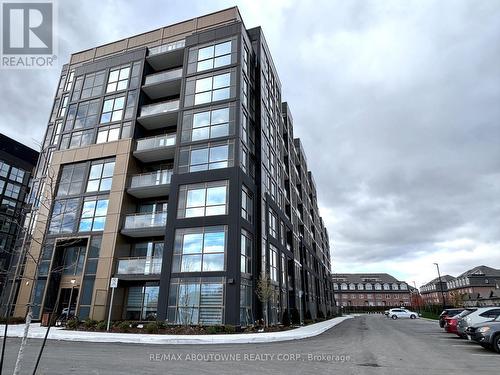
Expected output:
(64, 301)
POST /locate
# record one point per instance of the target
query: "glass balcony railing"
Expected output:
(151, 179)
(139, 266)
(167, 47)
(146, 220)
(163, 76)
(164, 107)
(156, 142)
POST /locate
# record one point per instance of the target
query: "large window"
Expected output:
(148, 249)
(112, 109)
(273, 223)
(199, 249)
(195, 301)
(214, 56)
(101, 175)
(246, 204)
(206, 199)
(93, 216)
(273, 263)
(80, 139)
(87, 114)
(246, 297)
(246, 252)
(142, 302)
(93, 84)
(4, 169)
(204, 157)
(118, 79)
(12, 190)
(206, 125)
(16, 174)
(8, 206)
(211, 89)
(74, 258)
(71, 180)
(63, 218)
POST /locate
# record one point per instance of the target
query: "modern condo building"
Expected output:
(17, 162)
(170, 163)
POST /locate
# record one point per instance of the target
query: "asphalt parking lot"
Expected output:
(370, 344)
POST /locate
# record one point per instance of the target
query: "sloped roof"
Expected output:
(444, 278)
(363, 278)
(481, 270)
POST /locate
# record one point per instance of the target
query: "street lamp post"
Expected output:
(73, 281)
(441, 285)
(417, 296)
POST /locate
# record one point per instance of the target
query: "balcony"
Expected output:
(145, 224)
(167, 55)
(135, 268)
(156, 148)
(159, 115)
(163, 84)
(150, 185)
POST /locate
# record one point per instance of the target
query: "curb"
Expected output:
(37, 332)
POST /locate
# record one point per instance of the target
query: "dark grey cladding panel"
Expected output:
(213, 34)
(109, 62)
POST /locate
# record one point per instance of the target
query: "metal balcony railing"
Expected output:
(155, 142)
(157, 108)
(146, 220)
(167, 47)
(139, 266)
(151, 179)
(163, 76)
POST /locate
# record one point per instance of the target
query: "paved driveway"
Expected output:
(369, 344)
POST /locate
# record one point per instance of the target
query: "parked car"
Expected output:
(481, 315)
(402, 313)
(486, 334)
(448, 313)
(451, 322)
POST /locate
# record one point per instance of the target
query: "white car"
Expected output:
(402, 313)
(481, 315)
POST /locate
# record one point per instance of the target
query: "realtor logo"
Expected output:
(28, 34)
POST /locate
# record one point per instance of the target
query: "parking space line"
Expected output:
(464, 345)
(486, 355)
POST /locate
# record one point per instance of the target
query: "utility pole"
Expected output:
(441, 285)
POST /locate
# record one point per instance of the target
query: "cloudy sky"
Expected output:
(397, 104)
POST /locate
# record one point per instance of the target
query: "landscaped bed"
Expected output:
(163, 328)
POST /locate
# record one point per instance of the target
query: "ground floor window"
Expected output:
(142, 302)
(246, 316)
(196, 301)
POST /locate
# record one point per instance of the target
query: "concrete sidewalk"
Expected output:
(38, 332)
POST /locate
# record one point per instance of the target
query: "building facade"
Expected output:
(432, 292)
(174, 168)
(17, 162)
(478, 286)
(370, 290)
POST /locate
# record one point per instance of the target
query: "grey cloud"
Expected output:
(396, 103)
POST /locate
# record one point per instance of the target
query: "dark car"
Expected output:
(486, 334)
(446, 313)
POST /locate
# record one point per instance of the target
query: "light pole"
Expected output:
(72, 281)
(417, 296)
(441, 285)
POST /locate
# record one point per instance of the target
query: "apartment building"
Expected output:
(477, 283)
(17, 162)
(432, 292)
(170, 163)
(370, 289)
